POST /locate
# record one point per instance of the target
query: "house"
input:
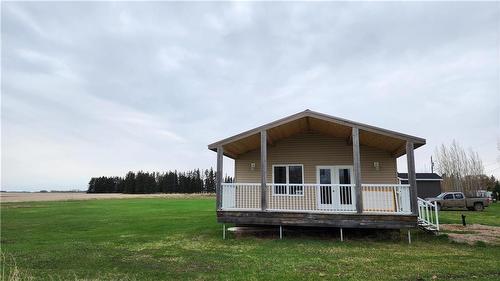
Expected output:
(312, 169)
(428, 184)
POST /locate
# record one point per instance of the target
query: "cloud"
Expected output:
(100, 88)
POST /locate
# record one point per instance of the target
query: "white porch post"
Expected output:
(219, 178)
(412, 181)
(357, 169)
(263, 169)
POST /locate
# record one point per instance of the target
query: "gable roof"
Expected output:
(306, 121)
(422, 176)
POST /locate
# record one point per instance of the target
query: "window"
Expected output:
(459, 196)
(295, 177)
(295, 174)
(448, 197)
(279, 175)
(288, 179)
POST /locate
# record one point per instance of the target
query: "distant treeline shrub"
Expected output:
(195, 181)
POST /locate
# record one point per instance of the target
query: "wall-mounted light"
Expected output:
(376, 165)
(252, 166)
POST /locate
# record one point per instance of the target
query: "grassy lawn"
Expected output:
(490, 216)
(173, 239)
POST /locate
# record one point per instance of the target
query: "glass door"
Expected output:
(325, 179)
(334, 190)
(345, 189)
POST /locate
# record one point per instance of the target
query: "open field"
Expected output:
(176, 239)
(62, 196)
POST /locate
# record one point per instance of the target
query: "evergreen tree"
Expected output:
(92, 183)
(119, 185)
(129, 183)
(140, 183)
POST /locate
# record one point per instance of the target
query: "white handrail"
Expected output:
(426, 217)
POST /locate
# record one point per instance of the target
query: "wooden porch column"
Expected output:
(263, 169)
(219, 178)
(357, 169)
(412, 180)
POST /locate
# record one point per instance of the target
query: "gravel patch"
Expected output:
(472, 234)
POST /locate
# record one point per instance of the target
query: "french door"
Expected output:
(332, 194)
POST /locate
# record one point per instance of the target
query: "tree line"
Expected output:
(194, 181)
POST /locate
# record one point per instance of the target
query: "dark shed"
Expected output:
(428, 184)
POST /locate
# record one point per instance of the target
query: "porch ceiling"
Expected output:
(309, 121)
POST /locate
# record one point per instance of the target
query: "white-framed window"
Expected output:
(288, 179)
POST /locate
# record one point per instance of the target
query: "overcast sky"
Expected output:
(93, 89)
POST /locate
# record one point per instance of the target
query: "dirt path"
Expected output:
(61, 196)
(473, 233)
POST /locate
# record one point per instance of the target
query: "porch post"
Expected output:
(218, 187)
(410, 158)
(357, 169)
(263, 169)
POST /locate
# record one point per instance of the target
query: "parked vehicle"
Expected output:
(485, 194)
(453, 200)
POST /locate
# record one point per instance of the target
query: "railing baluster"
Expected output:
(427, 212)
(290, 199)
(252, 197)
(437, 216)
(271, 192)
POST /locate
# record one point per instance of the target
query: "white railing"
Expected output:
(386, 198)
(311, 197)
(241, 196)
(428, 215)
(317, 198)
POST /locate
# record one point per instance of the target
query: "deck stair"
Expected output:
(428, 216)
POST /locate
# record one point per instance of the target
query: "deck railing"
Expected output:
(386, 198)
(317, 198)
(428, 214)
(241, 196)
(311, 197)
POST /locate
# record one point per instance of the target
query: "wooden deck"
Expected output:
(320, 220)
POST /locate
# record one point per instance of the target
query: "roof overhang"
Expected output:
(310, 121)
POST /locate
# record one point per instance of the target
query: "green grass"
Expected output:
(178, 239)
(490, 216)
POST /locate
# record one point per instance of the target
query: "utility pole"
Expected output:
(432, 165)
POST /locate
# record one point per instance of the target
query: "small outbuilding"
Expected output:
(428, 184)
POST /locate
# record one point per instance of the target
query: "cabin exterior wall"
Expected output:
(314, 149)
